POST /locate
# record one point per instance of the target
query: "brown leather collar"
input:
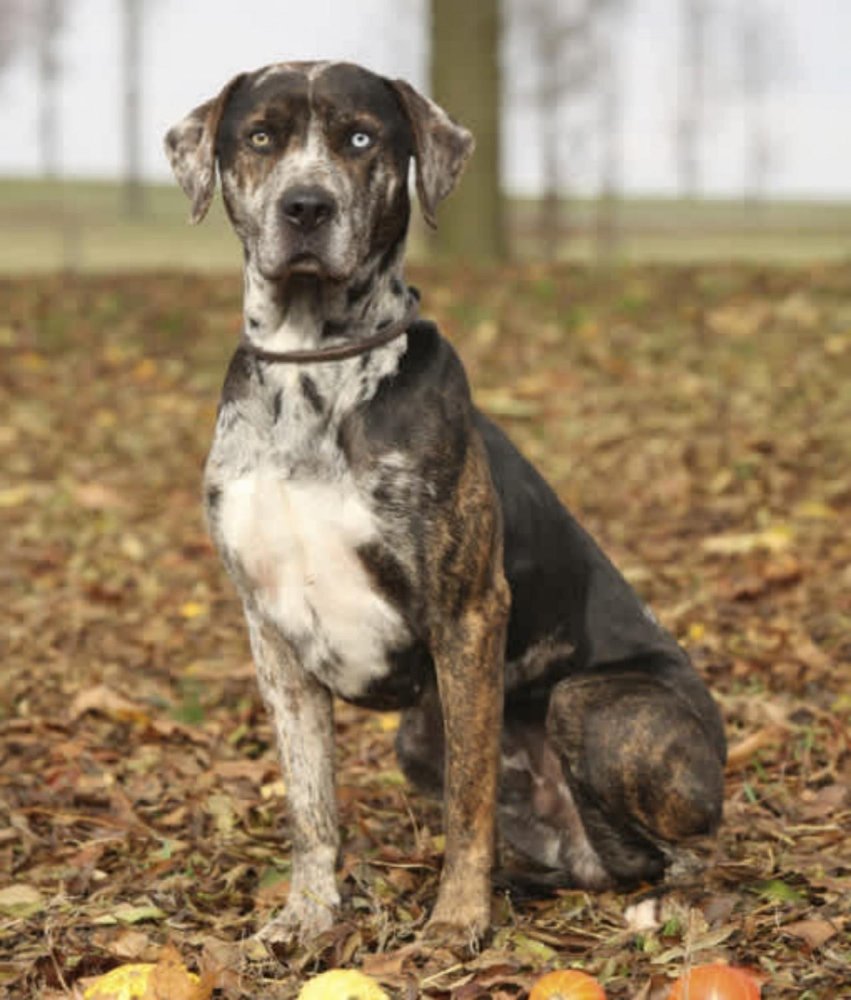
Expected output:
(338, 352)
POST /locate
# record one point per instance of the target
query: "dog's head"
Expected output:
(314, 159)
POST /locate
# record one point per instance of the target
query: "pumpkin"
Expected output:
(715, 982)
(342, 984)
(567, 984)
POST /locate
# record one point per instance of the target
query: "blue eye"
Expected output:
(360, 140)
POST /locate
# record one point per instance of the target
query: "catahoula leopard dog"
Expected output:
(393, 548)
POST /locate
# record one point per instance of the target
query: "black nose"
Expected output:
(307, 208)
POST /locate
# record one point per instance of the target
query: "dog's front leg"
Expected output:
(470, 681)
(468, 644)
(302, 713)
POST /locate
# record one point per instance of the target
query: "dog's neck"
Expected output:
(305, 311)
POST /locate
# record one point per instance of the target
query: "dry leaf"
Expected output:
(658, 432)
(813, 932)
(742, 752)
(130, 944)
(774, 539)
(20, 901)
(97, 496)
(102, 699)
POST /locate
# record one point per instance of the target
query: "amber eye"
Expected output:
(260, 139)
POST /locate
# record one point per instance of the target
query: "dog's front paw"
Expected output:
(459, 921)
(306, 916)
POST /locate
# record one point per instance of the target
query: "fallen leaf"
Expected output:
(193, 609)
(15, 496)
(502, 404)
(701, 942)
(97, 496)
(826, 801)
(814, 510)
(130, 944)
(132, 547)
(103, 699)
(814, 932)
(742, 752)
(127, 913)
(779, 891)
(774, 539)
(21, 901)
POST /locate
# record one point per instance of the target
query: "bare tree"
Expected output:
(611, 152)
(692, 111)
(11, 28)
(134, 192)
(465, 76)
(568, 43)
(761, 61)
(36, 25)
(48, 28)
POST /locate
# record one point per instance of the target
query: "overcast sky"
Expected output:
(192, 46)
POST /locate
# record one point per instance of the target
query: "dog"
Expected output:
(390, 545)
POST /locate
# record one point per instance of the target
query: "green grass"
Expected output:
(672, 231)
(81, 226)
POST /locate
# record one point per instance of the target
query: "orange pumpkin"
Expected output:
(715, 982)
(567, 984)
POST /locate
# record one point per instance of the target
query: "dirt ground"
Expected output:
(697, 420)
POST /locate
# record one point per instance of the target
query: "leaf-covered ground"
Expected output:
(697, 420)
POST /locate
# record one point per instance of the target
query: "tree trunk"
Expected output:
(466, 82)
(134, 195)
(691, 123)
(49, 25)
(756, 80)
(611, 112)
(549, 106)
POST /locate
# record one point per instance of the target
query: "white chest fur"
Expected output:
(290, 515)
(296, 543)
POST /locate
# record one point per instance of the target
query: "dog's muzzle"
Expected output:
(305, 216)
(305, 209)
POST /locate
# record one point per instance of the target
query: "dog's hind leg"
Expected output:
(643, 754)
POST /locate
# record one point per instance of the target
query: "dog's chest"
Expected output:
(291, 519)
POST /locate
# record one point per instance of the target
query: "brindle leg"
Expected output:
(302, 713)
(469, 671)
(468, 646)
(644, 761)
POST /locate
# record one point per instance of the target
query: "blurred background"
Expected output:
(630, 130)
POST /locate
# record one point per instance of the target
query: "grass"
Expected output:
(667, 230)
(81, 226)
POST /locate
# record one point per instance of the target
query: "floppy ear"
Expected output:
(441, 148)
(191, 149)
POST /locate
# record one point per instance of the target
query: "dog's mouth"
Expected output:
(301, 263)
(305, 262)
